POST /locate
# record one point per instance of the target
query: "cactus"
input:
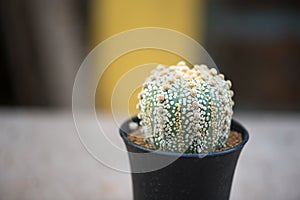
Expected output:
(186, 110)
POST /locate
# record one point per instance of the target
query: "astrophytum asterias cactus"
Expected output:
(186, 110)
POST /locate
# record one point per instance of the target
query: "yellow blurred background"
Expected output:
(112, 17)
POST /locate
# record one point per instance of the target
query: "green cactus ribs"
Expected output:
(186, 110)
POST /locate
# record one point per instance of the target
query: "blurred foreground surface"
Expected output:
(41, 157)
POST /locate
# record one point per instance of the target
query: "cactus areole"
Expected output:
(186, 110)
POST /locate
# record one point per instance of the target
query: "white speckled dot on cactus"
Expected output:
(186, 110)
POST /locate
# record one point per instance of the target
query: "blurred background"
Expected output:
(256, 44)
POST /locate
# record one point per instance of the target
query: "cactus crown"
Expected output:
(186, 110)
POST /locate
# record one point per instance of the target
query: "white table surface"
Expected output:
(41, 158)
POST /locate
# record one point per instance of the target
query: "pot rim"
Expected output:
(235, 125)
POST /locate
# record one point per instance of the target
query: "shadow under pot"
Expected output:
(167, 175)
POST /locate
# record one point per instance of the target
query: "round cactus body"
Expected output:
(186, 110)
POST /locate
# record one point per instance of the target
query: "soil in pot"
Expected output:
(137, 137)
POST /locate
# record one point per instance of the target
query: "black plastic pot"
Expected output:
(191, 176)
